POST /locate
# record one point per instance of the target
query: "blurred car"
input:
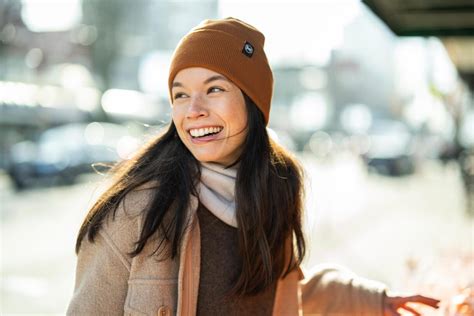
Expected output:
(390, 148)
(64, 152)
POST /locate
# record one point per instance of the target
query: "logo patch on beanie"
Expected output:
(248, 49)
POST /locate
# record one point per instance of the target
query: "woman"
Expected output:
(206, 219)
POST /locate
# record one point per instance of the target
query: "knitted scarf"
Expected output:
(217, 191)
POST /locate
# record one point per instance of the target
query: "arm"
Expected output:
(103, 267)
(337, 291)
(101, 279)
(334, 290)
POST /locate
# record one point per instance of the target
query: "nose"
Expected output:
(196, 108)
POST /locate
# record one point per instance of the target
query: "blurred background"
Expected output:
(374, 97)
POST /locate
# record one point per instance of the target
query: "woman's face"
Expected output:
(210, 115)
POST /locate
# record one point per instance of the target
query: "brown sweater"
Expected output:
(219, 267)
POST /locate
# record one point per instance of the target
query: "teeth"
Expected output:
(198, 132)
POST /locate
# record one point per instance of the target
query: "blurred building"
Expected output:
(361, 71)
(453, 23)
(58, 61)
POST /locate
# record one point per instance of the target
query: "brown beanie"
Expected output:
(232, 48)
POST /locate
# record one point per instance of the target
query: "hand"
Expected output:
(393, 303)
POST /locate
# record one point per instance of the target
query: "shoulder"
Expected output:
(121, 229)
(136, 201)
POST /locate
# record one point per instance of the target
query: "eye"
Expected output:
(212, 89)
(178, 95)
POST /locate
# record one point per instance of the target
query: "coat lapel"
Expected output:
(189, 263)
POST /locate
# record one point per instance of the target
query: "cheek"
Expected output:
(174, 113)
(239, 118)
(177, 116)
(237, 113)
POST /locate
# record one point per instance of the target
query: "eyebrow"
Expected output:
(210, 79)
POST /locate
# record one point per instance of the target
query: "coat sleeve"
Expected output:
(101, 280)
(103, 266)
(334, 290)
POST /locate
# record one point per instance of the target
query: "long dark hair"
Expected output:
(269, 201)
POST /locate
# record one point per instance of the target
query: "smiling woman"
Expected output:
(210, 115)
(206, 218)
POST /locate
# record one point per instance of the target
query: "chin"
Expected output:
(206, 158)
(212, 159)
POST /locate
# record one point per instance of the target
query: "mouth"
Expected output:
(205, 134)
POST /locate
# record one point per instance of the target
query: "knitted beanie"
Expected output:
(232, 48)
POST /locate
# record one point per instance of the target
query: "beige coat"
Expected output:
(108, 282)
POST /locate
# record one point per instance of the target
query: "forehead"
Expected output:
(198, 75)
